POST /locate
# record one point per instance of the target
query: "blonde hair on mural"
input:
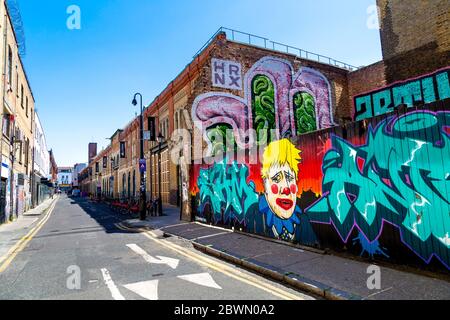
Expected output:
(279, 153)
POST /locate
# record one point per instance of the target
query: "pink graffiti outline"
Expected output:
(214, 107)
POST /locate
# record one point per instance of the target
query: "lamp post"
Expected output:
(160, 141)
(142, 214)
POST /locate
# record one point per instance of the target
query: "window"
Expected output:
(18, 138)
(179, 119)
(164, 128)
(21, 96)
(27, 154)
(9, 65)
(176, 120)
(6, 125)
(134, 183)
(123, 185)
(167, 128)
(26, 107)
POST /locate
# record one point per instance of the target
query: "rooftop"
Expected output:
(258, 41)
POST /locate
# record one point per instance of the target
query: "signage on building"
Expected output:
(142, 165)
(5, 167)
(122, 150)
(152, 128)
(226, 74)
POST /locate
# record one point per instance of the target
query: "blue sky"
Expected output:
(84, 80)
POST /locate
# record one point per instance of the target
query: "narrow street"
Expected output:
(115, 263)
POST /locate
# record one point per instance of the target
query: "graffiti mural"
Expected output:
(226, 190)
(378, 188)
(397, 174)
(233, 198)
(400, 176)
(428, 88)
(274, 99)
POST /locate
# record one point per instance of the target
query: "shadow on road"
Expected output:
(105, 216)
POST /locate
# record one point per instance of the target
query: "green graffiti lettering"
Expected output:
(428, 90)
(225, 188)
(407, 93)
(263, 107)
(443, 85)
(304, 113)
(401, 175)
(221, 138)
(363, 107)
(382, 102)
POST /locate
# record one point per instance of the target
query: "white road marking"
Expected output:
(203, 279)
(145, 289)
(111, 286)
(210, 236)
(173, 263)
(230, 271)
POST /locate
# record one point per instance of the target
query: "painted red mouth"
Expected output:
(285, 204)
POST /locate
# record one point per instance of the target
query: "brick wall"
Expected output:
(415, 37)
(366, 79)
(248, 55)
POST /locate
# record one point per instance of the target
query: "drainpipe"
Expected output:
(33, 180)
(5, 44)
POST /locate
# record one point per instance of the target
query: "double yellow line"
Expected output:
(220, 267)
(6, 260)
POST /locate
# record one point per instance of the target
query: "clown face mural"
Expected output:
(273, 211)
(281, 190)
(279, 202)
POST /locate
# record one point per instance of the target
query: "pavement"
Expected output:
(322, 274)
(82, 252)
(170, 217)
(12, 232)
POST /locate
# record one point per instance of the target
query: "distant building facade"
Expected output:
(77, 168)
(65, 175)
(17, 125)
(41, 186)
(92, 151)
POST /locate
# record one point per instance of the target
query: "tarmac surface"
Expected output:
(81, 252)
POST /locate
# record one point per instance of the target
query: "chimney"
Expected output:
(92, 151)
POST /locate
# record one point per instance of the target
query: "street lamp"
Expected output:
(142, 214)
(160, 141)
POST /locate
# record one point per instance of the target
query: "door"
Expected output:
(2, 200)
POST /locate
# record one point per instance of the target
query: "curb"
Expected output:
(44, 209)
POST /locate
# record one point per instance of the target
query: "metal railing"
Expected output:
(254, 40)
(268, 44)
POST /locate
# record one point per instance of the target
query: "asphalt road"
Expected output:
(82, 253)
